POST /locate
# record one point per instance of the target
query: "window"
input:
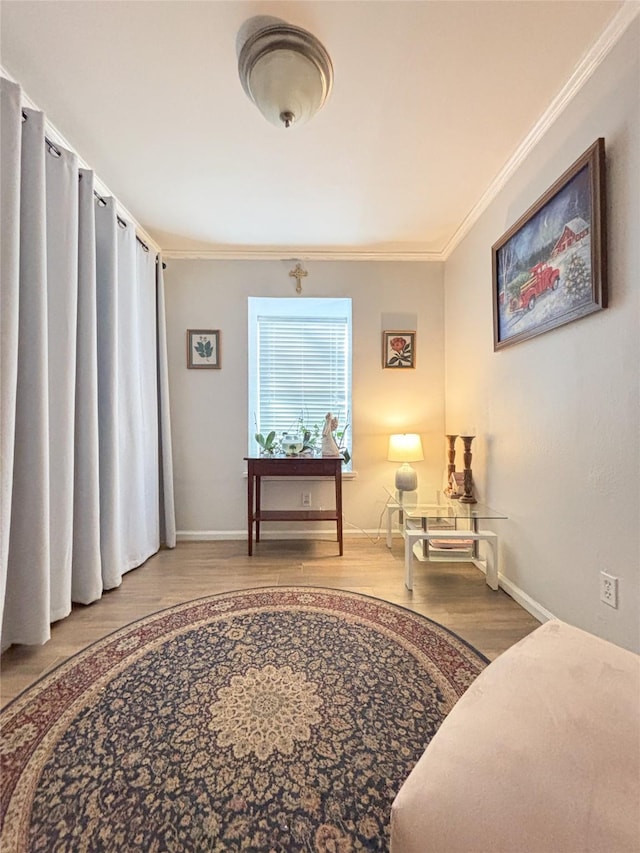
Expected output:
(299, 365)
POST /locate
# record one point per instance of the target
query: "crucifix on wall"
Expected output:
(298, 273)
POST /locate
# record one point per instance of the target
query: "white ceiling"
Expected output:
(430, 100)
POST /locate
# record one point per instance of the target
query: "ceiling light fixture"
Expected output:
(286, 72)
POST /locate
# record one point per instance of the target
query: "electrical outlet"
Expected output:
(306, 499)
(609, 589)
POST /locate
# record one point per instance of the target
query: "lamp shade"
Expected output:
(286, 72)
(405, 447)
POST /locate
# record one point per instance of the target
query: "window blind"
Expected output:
(303, 371)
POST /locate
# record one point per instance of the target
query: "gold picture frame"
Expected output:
(203, 349)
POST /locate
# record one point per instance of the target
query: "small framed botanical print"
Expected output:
(203, 348)
(398, 349)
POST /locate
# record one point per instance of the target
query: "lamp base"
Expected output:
(406, 478)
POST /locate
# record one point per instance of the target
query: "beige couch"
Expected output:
(541, 755)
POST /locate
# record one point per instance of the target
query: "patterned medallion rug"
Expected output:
(278, 719)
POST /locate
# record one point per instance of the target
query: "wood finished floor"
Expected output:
(453, 594)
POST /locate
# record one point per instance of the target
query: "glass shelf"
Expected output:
(417, 506)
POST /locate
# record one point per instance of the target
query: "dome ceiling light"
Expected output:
(286, 72)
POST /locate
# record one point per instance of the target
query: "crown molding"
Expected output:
(581, 74)
(583, 71)
(262, 254)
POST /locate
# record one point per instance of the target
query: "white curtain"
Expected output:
(86, 455)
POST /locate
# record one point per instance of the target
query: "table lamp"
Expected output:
(405, 448)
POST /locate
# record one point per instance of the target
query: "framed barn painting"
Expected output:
(203, 348)
(398, 349)
(550, 267)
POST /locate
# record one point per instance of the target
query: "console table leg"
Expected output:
(338, 480)
(258, 503)
(250, 511)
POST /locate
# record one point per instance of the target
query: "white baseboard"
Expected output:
(240, 535)
(530, 605)
(209, 535)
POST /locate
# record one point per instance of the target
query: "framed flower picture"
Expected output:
(203, 348)
(398, 349)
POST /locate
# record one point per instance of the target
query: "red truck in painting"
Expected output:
(542, 277)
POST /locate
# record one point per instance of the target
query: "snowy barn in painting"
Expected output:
(573, 232)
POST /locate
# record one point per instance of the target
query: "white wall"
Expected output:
(558, 416)
(209, 407)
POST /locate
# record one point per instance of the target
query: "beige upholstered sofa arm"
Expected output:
(541, 755)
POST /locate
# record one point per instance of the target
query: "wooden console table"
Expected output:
(291, 466)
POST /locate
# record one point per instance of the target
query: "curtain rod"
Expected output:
(103, 203)
(53, 149)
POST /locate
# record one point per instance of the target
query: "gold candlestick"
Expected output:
(467, 497)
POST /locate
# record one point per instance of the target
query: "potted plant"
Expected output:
(270, 444)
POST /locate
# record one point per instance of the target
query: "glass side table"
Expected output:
(448, 530)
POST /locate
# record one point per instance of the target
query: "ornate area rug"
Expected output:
(279, 719)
